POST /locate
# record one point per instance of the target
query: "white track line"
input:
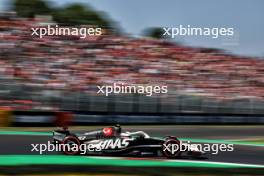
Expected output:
(185, 161)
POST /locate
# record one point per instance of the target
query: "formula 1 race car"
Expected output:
(111, 141)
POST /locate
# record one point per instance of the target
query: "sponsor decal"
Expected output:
(112, 143)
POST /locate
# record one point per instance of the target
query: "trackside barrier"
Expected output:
(166, 119)
(39, 118)
(64, 118)
(4, 118)
(32, 118)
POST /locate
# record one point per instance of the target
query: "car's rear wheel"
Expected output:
(171, 148)
(71, 145)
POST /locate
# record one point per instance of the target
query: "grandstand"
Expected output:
(62, 72)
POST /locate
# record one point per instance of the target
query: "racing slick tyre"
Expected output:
(71, 145)
(171, 148)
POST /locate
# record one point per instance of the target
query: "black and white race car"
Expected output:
(112, 141)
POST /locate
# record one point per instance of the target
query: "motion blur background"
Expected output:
(224, 75)
(53, 79)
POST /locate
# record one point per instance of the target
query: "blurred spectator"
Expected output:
(72, 64)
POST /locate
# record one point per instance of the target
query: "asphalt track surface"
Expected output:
(244, 154)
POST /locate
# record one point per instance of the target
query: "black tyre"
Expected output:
(71, 145)
(171, 148)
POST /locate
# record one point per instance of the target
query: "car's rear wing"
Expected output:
(59, 135)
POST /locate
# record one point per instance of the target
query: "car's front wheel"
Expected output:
(171, 148)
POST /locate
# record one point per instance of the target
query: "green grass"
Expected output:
(252, 141)
(18, 160)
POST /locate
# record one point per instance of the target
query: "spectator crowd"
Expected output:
(70, 63)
